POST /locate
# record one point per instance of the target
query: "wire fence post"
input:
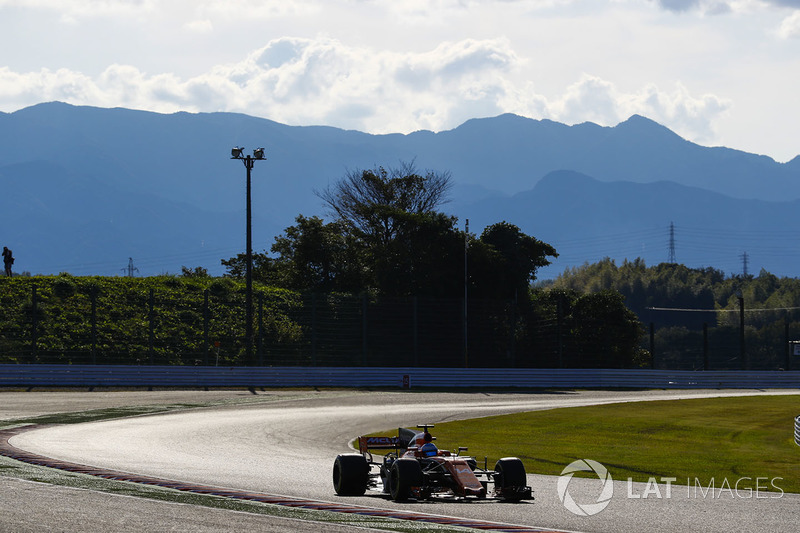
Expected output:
(364, 304)
(415, 336)
(512, 340)
(93, 296)
(34, 324)
(313, 329)
(206, 326)
(706, 364)
(742, 351)
(559, 328)
(260, 345)
(787, 345)
(652, 345)
(151, 325)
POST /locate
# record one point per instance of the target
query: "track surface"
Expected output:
(287, 447)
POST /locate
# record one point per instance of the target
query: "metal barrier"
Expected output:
(797, 430)
(27, 375)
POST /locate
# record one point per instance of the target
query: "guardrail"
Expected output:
(797, 430)
(28, 375)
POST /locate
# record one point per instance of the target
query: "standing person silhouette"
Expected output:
(8, 260)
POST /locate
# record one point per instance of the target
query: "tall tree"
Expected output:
(376, 203)
(388, 211)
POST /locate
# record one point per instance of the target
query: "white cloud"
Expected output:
(715, 7)
(692, 116)
(322, 81)
(84, 8)
(597, 100)
(232, 9)
(199, 26)
(790, 27)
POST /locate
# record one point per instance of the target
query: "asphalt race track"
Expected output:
(286, 446)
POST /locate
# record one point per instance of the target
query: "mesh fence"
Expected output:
(757, 339)
(194, 326)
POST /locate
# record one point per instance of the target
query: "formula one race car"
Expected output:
(416, 469)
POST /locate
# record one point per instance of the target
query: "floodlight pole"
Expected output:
(249, 162)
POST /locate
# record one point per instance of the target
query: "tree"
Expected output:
(594, 330)
(388, 238)
(263, 268)
(197, 272)
(391, 214)
(606, 333)
(376, 204)
(506, 264)
(319, 257)
(427, 261)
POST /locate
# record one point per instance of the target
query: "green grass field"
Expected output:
(721, 438)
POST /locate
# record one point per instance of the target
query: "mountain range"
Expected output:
(84, 189)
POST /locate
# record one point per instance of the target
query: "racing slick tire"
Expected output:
(510, 478)
(405, 474)
(350, 474)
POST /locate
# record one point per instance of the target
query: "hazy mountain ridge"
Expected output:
(168, 179)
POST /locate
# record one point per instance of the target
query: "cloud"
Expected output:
(322, 81)
(692, 116)
(714, 7)
(679, 5)
(199, 26)
(785, 3)
(790, 27)
(229, 9)
(596, 100)
(84, 8)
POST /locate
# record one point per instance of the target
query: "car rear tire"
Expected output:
(405, 474)
(510, 475)
(350, 474)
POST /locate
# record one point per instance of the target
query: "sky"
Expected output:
(717, 72)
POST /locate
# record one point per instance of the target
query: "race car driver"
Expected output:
(428, 448)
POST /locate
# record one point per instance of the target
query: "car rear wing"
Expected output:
(365, 444)
(403, 441)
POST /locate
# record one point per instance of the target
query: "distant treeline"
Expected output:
(679, 301)
(676, 286)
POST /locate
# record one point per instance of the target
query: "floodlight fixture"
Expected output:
(258, 153)
(236, 153)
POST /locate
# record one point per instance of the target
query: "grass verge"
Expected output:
(698, 439)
